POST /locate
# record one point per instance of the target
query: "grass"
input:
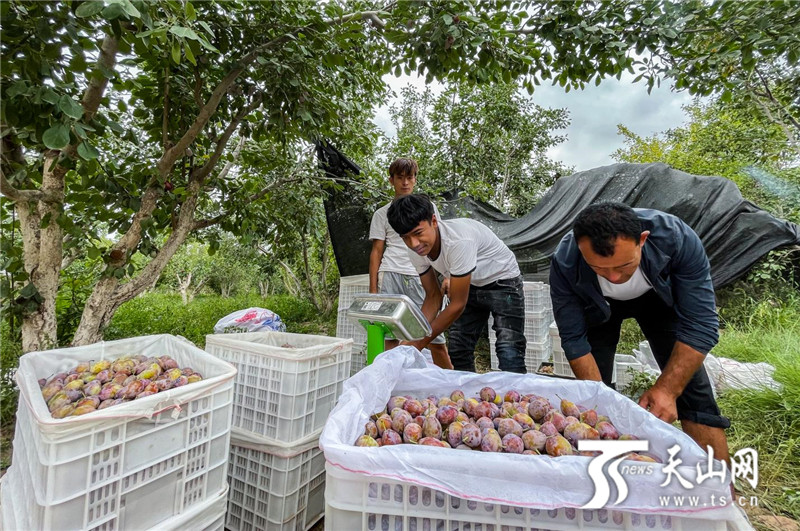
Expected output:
(164, 313)
(768, 420)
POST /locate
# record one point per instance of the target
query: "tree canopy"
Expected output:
(128, 118)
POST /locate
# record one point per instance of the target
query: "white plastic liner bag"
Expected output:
(519, 480)
(250, 320)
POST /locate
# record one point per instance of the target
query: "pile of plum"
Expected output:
(95, 385)
(511, 423)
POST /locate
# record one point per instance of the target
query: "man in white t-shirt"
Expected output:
(484, 279)
(389, 256)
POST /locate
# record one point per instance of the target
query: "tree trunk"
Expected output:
(263, 288)
(183, 286)
(109, 294)
(42, 254)
(225, 290)
(307, 273)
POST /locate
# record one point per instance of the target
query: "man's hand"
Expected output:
(661, 403)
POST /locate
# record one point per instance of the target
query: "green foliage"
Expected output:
(725, 140)
(158, 313)
(489, 142)
(742, 51)
(10, 351)
(638, 384)
(767, 420)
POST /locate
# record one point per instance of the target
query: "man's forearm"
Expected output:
(585, 368)
(443, 321)
(683, 363)
(374, 265)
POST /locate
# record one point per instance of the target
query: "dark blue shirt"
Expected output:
(673, 260)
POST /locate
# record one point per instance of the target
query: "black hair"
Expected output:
(407, 211)
(603, 223)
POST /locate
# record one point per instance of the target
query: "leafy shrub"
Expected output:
(10, 351)
(160, 313)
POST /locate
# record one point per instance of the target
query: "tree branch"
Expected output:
(98, 82)
(171, 155)
(204, 223)
(165, 117)
(203, 171)
(19, 196)
(228, 165)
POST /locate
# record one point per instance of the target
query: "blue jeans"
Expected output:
(505, 300)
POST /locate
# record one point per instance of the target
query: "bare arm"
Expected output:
(585, 368)
(459, 292)
(375, 257)
(682, 364)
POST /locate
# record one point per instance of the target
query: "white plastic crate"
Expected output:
(560, 364)
(536, 325)
(622, 363)
(535, 354)
(204, 516)
(537, 296)
(273, 487)
(287, 384)
(358, 361)
(154, 458)
(349, 288)
(355, 501)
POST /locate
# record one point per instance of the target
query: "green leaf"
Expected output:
(189, 55)
(29, 290)
(206, 27)
(207, 45)
(448, 19)
(70, 107)
(87, 151)
(93, 253)
(176, 51)
(130, 9)
(185, 33)
(89, 8)
(113, 11)
(56, 137)
(191, 14)
(79, 130)
(50, 96)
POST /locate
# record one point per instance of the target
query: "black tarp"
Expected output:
(735, 232)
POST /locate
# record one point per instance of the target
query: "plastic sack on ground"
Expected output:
(726, 373)
(250, 320)
(520, 480)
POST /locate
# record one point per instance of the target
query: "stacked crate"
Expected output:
(159, 461)
(538, 316)
(560, 364)
(286, 386)
(349, 288)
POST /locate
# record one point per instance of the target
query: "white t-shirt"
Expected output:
(395, 253)
(468, 246)
(636, 286)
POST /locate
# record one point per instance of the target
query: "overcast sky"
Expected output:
(594, 114)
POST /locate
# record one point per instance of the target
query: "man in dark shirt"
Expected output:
(620, 263)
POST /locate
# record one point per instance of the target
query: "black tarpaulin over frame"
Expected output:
(735, 232)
